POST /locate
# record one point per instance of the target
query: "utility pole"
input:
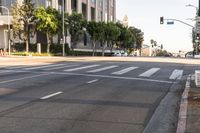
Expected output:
(199, 9)
(63, 25)
(197, 29)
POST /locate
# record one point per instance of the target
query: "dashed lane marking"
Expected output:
(92, 81)
(51, 95)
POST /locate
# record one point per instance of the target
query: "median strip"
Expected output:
(51, 95)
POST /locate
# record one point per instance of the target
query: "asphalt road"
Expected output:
(91, 97)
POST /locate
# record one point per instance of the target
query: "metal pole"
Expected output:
(198, 9)
(63, 26)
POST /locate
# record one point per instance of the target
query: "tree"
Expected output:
(93, 31)
(139, 37)
(126, 38)
(48, 23)
(23, 21)
(75, 24)
(112, 33)
(101, 30)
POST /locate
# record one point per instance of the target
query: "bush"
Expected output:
(54, 48)
(30, 54)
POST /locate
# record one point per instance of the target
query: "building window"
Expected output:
(48, 3)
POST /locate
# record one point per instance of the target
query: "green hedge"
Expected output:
(54, 48)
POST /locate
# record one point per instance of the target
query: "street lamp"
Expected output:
(193, 30)
(8, 27)
(190, 5)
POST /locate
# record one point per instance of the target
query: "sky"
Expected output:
(145, 15)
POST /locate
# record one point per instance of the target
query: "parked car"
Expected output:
(124, 54)
(117, 54)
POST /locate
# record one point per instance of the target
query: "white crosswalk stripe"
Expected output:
(39, 67)
(176, 74)
(150, 72)
(80, 68)
(102, 69)
(55, 68)
(123, 71)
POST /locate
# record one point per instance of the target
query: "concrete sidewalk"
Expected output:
(193, 110)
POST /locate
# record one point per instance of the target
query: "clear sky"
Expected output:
(145, 14)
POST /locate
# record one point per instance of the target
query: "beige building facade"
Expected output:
(92, 10)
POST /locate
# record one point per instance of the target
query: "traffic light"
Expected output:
(197, 36)
(161, 20)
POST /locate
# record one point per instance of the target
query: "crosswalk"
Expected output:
(102, 69)
(150, 72)
(80, 68)
(123, 71)
(177, 74)
(105, 68)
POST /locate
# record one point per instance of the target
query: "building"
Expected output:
(125, 21)
(92, 10)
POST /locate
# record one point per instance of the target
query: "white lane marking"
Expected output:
(15, 67)
(5, 71)
(124, 71)
(11, 71)
(29, 77)
(60, 67)
(32, 68)
(149, 72)
(102, 69)
(112, 77)
(80, 68)
(51, 95)
(177, 74)
(92, 81)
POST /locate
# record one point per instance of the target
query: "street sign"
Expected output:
(170, 22)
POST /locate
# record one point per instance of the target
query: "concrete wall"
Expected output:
(3, 37)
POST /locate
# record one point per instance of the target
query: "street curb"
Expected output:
(181, 127)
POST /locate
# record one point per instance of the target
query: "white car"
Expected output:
(117, 54)
(124, 54)
(189, 55)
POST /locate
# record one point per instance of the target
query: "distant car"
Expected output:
(124, 54)
(189, 55)
(117, 54)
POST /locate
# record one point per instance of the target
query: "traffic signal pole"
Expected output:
(199, 9)
(197, 30)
